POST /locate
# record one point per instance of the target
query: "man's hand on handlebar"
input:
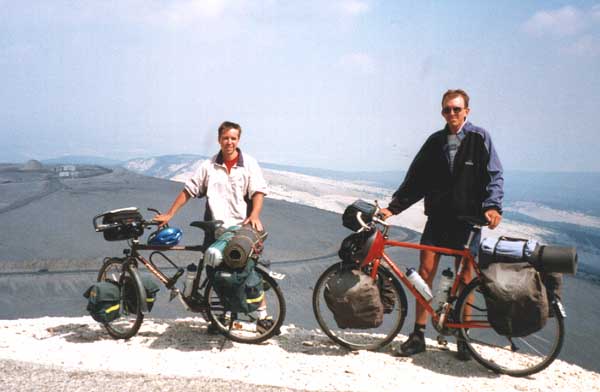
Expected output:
(493, 217)
(384, 213)
(162, 219)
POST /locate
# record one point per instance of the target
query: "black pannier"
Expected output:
(103, 301)
(515, 292)
(354, 299)
(121, 224)
(516, 299)
(349, 219)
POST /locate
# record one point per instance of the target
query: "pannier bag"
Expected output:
(355, 247)
(130, 295)
(245, 243)
(515, 294)
(122, 224)
(516, 298)
(388, 294)
(152, 288)
(354, 299)
(103, 301)
(240, 290)
(349, 219)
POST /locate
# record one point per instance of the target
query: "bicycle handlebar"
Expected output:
(374, 219)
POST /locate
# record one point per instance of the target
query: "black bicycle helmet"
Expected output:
(355, 248)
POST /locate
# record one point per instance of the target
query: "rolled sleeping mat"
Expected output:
(244, 243)
(560, 259)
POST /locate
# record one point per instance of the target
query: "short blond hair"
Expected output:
(456, 93)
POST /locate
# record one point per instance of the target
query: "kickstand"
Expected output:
(513, 346)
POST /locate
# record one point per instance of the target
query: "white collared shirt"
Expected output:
(227, 194)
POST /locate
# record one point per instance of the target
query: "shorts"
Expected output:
(449, 233)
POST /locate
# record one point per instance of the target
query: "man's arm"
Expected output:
(179, 202)
(492, 205)
(254, 217)
(412, 188)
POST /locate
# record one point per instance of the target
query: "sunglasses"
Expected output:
(454, 109)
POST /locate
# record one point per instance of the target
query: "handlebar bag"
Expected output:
(354, 299)
(349, 219)
(240, 290)
(129, 224)
(103, 301)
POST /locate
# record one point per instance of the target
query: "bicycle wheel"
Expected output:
(245, 327)
(130, 310)
(517, 357)
(360, 339)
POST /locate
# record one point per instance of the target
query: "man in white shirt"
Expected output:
(234, 187)
(232, 183)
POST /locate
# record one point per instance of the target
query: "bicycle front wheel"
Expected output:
(364, 338)
(516, 356)
(247, 327)
(130, 306)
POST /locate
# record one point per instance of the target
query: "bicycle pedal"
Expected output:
(442, 341)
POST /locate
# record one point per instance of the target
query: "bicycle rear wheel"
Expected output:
(130, 306)
(517, 357)
(360, 339)
(246, 327)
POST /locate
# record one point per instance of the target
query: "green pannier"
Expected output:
(130, 294)
(152, 288)
(103, 301)
(240, 290)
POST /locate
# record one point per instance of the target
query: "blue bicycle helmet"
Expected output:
(167, 236)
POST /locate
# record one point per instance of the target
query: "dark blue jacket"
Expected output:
(476, 185)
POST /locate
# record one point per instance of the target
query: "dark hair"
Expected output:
(456, 93)
(227, 125)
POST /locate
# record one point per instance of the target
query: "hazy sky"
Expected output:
(348, 84)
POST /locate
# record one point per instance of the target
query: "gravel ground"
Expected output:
(76, 354)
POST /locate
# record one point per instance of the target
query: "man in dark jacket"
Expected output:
(458, 173)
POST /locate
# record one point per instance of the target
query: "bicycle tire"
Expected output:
(360, 339)
(528, 355)
(131, 316)
(244, 326)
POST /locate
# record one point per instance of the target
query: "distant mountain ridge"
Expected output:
(82, 160)
(174, 166)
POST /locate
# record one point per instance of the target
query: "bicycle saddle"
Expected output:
(207, 226)
(474, 220)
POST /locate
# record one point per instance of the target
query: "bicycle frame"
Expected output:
(377, 253)
(135, 247)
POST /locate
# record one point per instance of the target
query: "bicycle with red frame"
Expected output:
(462, 314)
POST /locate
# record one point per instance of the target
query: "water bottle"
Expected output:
(419, 283)
(443, 291)
(188, 284)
